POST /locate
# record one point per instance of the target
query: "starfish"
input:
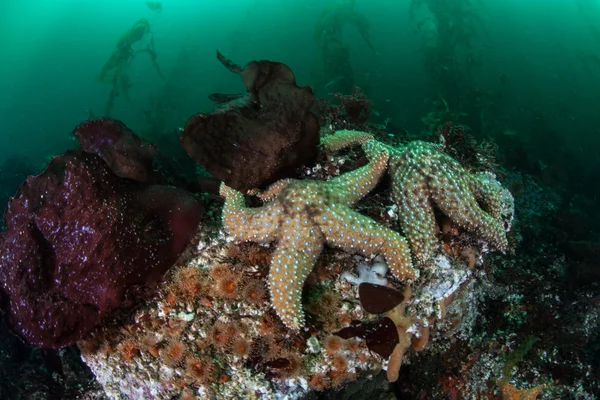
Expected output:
(424, 177)
(304, 215)
(509, 392)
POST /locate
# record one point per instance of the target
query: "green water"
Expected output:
(543, 57)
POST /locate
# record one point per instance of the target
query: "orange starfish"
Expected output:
(509, 392)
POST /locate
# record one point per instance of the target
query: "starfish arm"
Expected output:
(351, 231)
(273, 190)
(453, 196)
(343, 139)
(244, 223)
(353, 186)
(496, 199)
(293, 260)
(417, 218)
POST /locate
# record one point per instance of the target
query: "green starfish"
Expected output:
(304, 215)
(424, 177)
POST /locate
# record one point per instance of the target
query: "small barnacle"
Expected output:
(345, 319)
(188, 283)
(353, 345)
(291, 365)
(187, 394)
(339, 362)
(333, 344)
(170, 297)
(318, 382)
(219, 270)
(251, 253)
(128, 349)
(338, 378)
(150, 344)
(89, 345)
(221, 334)
(175, 327)
(322, 271)
(108, 348)
(329, 302)
(469, 254)
(269, 324)
(199, 369)
(274, 349)
(254, 292)
(419, 343)
(228, 286)
(173, 353)
(241, 347)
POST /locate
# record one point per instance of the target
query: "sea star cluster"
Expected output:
(424, 177)
(304, 215)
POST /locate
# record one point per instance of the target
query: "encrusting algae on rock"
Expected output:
(260, 308)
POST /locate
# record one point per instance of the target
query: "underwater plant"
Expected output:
(449, 33)
(154, 6)
(257, 139)
(334, 55)
(124, 152)
(115, 70)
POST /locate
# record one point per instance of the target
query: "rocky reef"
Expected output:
(254, 312)
(351, 263)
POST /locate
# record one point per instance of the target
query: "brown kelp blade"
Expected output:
(381, 336)
(230, 65)
(377, 299)
(223, 97)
